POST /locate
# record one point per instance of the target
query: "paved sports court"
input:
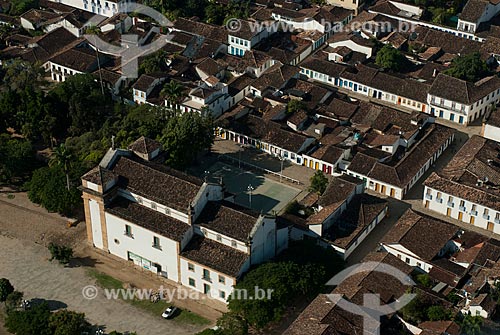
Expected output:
(268, 195)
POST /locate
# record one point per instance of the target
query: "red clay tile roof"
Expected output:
(149, 219)
(215, 255)
(360, 213)
(423, 235)
(476, 160)
(157, 182)
(144, 145)
(228, 219)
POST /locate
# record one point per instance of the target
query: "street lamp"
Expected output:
(206, 175)
(250, 189)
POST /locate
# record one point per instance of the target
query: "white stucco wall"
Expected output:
(141, 244)
(215, 282)
(95, 217)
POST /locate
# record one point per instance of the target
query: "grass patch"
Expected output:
(10, 196)
(187, 317)
(156, 309)
(104, 280)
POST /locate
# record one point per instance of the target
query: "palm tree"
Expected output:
(63, 158)
(174, 92)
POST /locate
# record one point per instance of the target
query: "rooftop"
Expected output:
(157, 182)
(422, 235)
(473, 173)
(215, 255)
(149, 219)
(228, 219)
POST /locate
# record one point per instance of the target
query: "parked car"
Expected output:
(169, 312)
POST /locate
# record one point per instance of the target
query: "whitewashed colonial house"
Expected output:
(468, 188)
(461, 101)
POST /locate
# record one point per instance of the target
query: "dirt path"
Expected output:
(27, 267)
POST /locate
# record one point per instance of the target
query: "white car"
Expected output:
(169, 312)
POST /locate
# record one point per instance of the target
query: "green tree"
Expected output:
(22, 103)
(294, 106)
(18, 7)
(416, 311)
(438, 313)
(85, 107)
(301, 271)
(13, 301)
(453, 298)
(319, 182)
(17, 157)
(390, 58)
(232, 324)
(174, 93)
(468, 67)
(471, 325)
(61, 253)
(62, 157)
(154, 63)
(6, 288)
(47, 187)
(32, 321)
(424, 280)
(185, 136)
(66, 322)
(210, 332)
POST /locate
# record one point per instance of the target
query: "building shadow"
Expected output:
(86, 261)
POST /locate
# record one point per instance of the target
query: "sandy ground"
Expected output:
(26, 230)
(28, 268)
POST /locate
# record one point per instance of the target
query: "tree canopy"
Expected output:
(390, 58)
(39, 320)
(468, 67)
(302, 270)
(18, 7)
(47, 187)
(16, 157)
(319, 182)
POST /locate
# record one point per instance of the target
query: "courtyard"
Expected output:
(252, 189)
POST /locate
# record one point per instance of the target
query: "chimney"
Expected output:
(434, 73)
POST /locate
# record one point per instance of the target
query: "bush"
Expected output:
(438, 313)
(424, 280)
(319, 182)
(6, 288)
(13, 300)
(31, 321)
(61, 253)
